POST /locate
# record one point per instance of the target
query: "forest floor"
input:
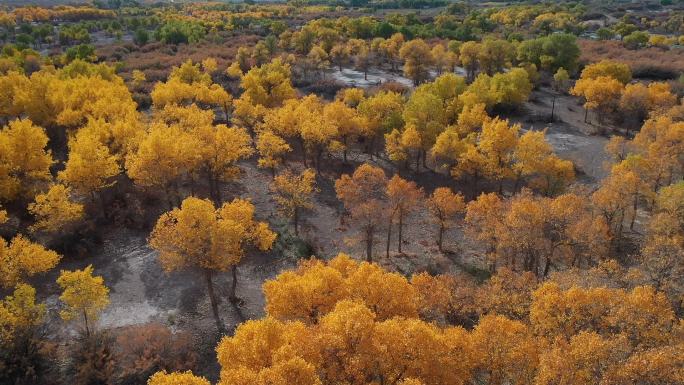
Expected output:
(570, 136)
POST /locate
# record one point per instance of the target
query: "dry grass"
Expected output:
(652, 63)
(156, 59)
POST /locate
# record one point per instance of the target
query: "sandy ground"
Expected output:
(569, 135)
(353, 78)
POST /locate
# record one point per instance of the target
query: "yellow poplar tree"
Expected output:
(221, 148)
(534, 157)
(268, 85)
(20, 316)
(83, 295)
(469, 53)
(189, 84)
(90, 166)
(444, 206)
(164, 156)
(601, 93)
(506, 351)
(383, 113)
(317, 288)
(272, 149)
(403, 198)
(199, 235)
(417, 57)
(613, 69)
(54, 210)
(497, 143)
(363, 195)
(584, 359)
(24, 160)
(21, 258)
(185, 378)
(293, 193)
(349, 124)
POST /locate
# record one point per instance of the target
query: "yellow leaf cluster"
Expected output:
(189, 84)
(82, 294)
(24, 160)
(19, 311)
(54, 210)
(186, 378)
(198, 234)
(319, 286)
(268, 85)
(91, 166)
(293, 193)
(21, 258)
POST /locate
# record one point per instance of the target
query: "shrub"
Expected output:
(141, 36)
(636, 40)
(143, 350)
(649, 62)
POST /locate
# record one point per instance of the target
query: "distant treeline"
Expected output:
(382, 4)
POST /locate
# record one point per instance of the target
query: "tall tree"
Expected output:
(268, 85)
(54, 210)
(83, 295)
(24, 159)
(21, 258)
(601, 93)
(403, 197)
(272, 149)
(444, 206)
(417, 57)
(91, 166)
(293, 194)
(199, 235)
(364, 196)
(497, 143)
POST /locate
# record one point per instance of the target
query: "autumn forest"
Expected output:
(332, 192)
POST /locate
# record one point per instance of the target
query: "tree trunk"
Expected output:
(371, 144)
(440, 235)
(547, 265)
(424, 156)
(214, 190)
(634, 212)
(167, 192)
(344, 152)
(103, 206)
(401, 226)
(295, 219)
(319, 153)
(369, 245)
(233, 285)
(301, 143)
(389, 238)
(212, 299)
(85, 319)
